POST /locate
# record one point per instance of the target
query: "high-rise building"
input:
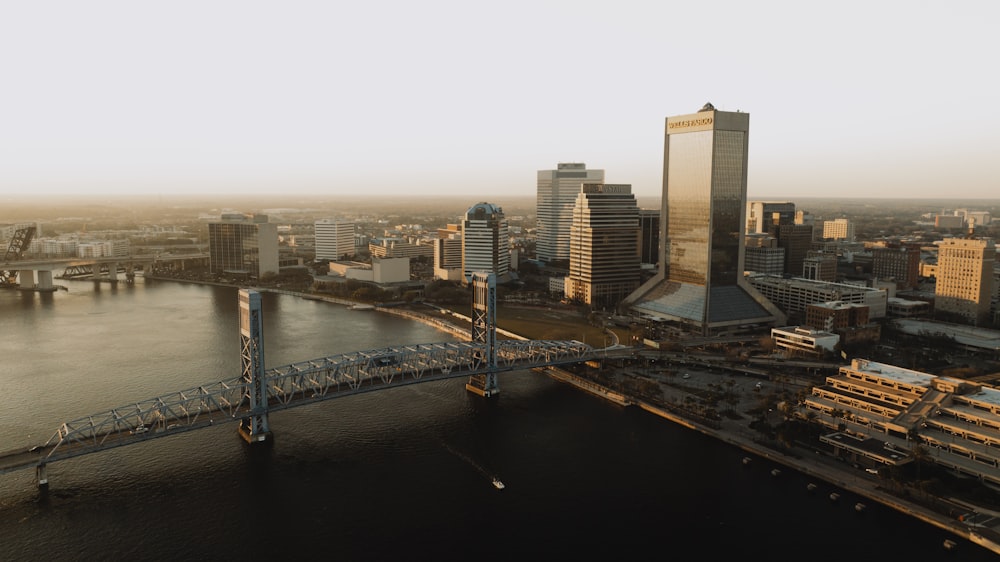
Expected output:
(796, 239)
(448, 253)
(334, 239)
(604, 245)
(965, 278)
(243, 245)
(762, 214)
(899, 263)
(557, 190)
(701, 285)
(649, 236)
(485, 242)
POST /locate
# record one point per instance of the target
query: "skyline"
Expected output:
(448, 99)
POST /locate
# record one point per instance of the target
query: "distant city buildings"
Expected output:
(604, 245)
(701, 286)
(485, 242)
(448, 253)
(557, 190)
(334, 239)
(243, 245)
(761, 215)
(838, 229)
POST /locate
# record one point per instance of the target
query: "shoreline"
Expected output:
(743, 440)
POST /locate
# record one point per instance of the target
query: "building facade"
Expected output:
(700, 285)
(485, 242)
(838, 229)
(557, 190)
(762, 214)
(244, 245)
(899, 263)
(334, 239)
(649, 236)
(964, 284)
(604, 245)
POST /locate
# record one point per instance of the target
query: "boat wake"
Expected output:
(479, 468)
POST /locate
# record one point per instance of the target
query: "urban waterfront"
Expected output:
(399, 473)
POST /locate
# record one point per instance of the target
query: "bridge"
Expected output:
(248, 399)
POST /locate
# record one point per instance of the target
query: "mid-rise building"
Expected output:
(794, 295)
(557, 190)
(485, 242)
(334, 239)
(796, 239)
(838, 229)
(604, 245)
(397, 247)
(761, 215)
(448, 253)
(244, 245)
(700, 286)
(899, 263)
(762, 255)
(964, 284)
(820, 266)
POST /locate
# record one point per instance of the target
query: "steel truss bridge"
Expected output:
(248, 399)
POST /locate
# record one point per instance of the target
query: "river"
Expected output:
(394, 474)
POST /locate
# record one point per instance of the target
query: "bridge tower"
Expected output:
(484, 330)
(254, 429)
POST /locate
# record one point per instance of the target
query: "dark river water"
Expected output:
(400, 474)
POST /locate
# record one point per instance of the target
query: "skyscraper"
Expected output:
(700, 286)
(485, 242)
(604, 245)
(557, 191)
(965, 278)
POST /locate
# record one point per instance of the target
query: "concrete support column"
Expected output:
(113, 271)
(26, 278)
(45, 280)
(42, 476)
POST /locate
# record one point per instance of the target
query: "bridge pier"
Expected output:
(26, 279)
(42, 477)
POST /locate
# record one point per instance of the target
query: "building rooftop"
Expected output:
(903, 375)
(967, 335)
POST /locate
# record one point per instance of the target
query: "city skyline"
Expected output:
(121, 98)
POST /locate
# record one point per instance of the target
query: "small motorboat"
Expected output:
(498, 484)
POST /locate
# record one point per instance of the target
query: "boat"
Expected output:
(498, 484)
(746, 460)
(361, 307)
(810, 486)
(834, 496)
(950, 544)
(859, 507)
(775, 472)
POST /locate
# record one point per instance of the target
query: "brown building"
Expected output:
(898, 262)
(848, 320)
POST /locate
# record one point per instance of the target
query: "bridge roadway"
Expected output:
(298, 384)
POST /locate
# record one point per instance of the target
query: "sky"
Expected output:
(469, 98)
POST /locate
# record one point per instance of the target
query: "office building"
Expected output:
(796, 239)
(820, 266)
(899, 263)
(334, 239)
(604, 245)
(964, 284)
(761, 215)
(838, 229)
(448, 253)
(649, 236)
(794, 295)
(762, 255)
(243, 246)
(557, 190)
(485, 242)
(700, 286)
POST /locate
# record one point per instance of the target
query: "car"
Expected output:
(140, 429)
(687, 376)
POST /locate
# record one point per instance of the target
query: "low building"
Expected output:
(804, 340)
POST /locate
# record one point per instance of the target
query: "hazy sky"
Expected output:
(872, 98)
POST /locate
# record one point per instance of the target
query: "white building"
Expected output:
(803, 339)
(334, 239)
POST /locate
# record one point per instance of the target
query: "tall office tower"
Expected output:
(965, 278)
(557, 190)
(763, 214)
(334, 239)
(604, 245)
(485, 242)
(244, 245)
(700, 285)
(649, 236)
(838, 229)
(898, 262)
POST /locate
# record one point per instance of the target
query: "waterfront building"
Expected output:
(243, 245)
(556, 196)
(761, 215)
(804, 340)
(700, 285)
(964, 284)
(880, 413)
(334, 239)
(485, 242)
(604, 245)
(398, 247)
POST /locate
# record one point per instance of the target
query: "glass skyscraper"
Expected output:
(557, 191)
(700, 286)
